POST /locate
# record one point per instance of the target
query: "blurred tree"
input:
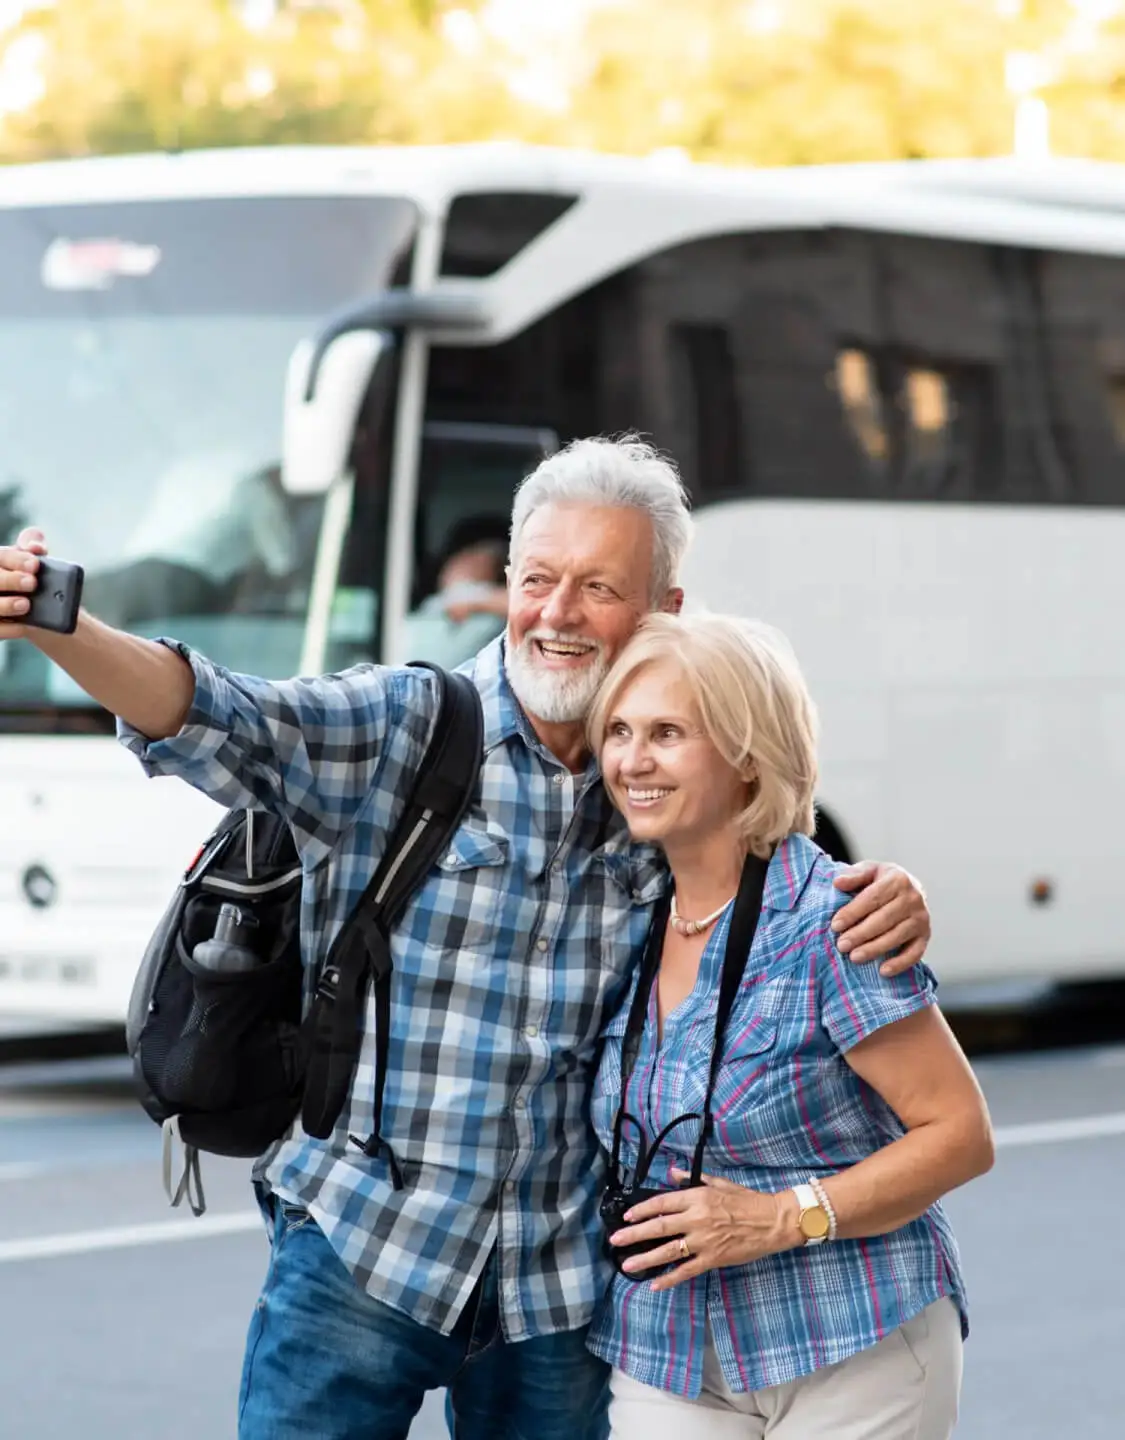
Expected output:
(128, 75)
(796, 81)
(761, 81)
(1084, 89)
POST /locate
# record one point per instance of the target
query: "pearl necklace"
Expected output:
(694, 927)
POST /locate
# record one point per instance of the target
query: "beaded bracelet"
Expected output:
(826, 1204)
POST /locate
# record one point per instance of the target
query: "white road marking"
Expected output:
(66, 1107)
(1051, 1132)
(24, 1170)
(121, 1237)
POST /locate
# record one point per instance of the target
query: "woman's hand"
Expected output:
(722, 1223)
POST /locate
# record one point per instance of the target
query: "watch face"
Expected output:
(813, 1223)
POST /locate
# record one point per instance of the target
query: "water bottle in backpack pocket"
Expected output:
(214, 1021)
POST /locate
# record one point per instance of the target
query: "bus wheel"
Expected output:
(830, 838)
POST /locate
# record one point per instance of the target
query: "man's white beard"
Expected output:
(558, 697)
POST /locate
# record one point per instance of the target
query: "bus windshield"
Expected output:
(143, 350)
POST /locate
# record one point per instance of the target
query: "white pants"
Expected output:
(904, 1388)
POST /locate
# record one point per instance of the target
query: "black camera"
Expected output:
(616, 1199)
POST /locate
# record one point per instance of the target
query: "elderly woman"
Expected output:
(792, 1119)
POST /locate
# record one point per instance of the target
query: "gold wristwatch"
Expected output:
(813, 1219)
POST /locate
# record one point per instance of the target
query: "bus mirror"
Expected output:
(317, 432)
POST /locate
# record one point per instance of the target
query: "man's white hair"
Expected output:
(626, 472)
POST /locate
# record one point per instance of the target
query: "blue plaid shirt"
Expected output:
(786, 1106)
(507, 965)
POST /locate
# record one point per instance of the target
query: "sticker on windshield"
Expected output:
(95, 264)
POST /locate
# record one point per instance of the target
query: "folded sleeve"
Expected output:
(856, 1000)
(308, 749)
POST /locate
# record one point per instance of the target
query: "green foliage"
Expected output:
(801, 81)
(131, 75)
(767, 82)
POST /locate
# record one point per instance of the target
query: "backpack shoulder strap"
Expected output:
(443, 788)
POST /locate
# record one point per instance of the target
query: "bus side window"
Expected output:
(1115, 404)
(794, 428)
(1082, 411)
(856, 383)
(355, 634)
(952, 445)
(707, 404)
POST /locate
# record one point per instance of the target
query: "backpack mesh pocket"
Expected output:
(227, 1044)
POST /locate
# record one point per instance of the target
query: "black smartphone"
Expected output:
(55, 600)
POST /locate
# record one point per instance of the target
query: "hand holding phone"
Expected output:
(55, 600)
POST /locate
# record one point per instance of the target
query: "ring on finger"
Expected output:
(685, 1252)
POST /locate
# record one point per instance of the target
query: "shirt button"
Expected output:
(558, 778)
(450, 859)
(519, 1102)
(510, 1186)
(541, 944)
(531, 1031)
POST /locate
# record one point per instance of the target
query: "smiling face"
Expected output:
(580, 584)
(662, 770)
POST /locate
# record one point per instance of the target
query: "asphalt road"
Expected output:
(121, 1320)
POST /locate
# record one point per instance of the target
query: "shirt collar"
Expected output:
(504, 716)
(639, 867)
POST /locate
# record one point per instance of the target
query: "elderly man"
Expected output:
(481, 1274)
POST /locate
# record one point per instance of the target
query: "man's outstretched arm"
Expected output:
(148, 685)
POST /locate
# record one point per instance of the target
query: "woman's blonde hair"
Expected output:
(753, 703)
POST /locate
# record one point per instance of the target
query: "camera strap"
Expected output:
(740, 940)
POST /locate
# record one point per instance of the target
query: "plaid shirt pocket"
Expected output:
(471, 894)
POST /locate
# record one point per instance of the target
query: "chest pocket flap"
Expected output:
(475, 845)
(745, 1040)
(749, 1031)
(476, 899)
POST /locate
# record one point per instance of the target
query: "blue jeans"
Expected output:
(324, 1361)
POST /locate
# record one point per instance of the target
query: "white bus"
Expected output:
(253, 393)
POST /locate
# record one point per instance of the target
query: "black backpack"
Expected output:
(223, 1060)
